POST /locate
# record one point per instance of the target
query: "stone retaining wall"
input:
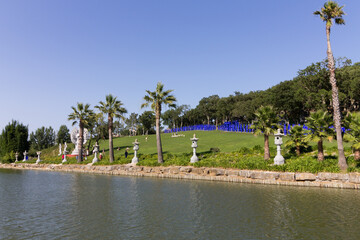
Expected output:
(333, 180)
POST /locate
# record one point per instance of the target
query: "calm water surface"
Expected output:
(54, 205)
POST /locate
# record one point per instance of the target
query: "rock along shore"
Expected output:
(327, 180)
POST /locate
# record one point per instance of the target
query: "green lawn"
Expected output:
(225, 141)
(237, 150)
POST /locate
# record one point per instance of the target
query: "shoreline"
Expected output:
(322, 179)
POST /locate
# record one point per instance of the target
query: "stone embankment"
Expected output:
(328, 180)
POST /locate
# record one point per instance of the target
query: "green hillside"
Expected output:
(237, 150)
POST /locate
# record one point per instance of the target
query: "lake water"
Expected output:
(55, 205)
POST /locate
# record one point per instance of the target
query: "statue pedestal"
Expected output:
(75, 152)
(279, 159)
(95, 160)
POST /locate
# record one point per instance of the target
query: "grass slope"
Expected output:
(225, 141)
(238, 150)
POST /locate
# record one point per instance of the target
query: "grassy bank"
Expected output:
(236, 150)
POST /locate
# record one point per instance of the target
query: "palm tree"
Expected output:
(157, 99)
(352, 122)
(266, 122)
(112, 108)
(332, 12)
(297, 138)
(319, 123)
(82, 114)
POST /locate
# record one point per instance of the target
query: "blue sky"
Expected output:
(56, 53)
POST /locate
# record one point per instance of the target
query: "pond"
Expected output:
(56, 205)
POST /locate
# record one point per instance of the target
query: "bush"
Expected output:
(258, 149)
(8, 157)
(214, 149)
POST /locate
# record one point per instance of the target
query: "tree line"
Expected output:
(294, 99)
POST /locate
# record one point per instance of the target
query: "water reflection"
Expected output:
(51, 205)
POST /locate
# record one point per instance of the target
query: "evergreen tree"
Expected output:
(63, 135)
(42, 138)
(14, 138)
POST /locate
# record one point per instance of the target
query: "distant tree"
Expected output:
(147, 120)
(283, 100)
(119, 126)
(158, 98)
(97, 127)
(63, 135)
(319, 123)
(175, 117)
(132, 122)
(193, 117)
(82, 114)
(113, 108)
(245, 105)
(224, 108)
(332, 12)
(266, 122)
(208, 107)
(42, 138)
(14, 138)
(352, 123)
(312, 90)
(100, 127)
(297, 138)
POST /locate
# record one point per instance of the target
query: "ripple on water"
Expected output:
(52, 205)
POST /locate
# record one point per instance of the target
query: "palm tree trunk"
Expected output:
(320, 151)
(298, 150)
(81, 140)
(335, 101)
(266, 147)
(158, 138)
(111, 148)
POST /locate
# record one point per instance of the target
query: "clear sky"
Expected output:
(56, 53)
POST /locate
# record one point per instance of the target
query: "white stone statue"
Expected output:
(279, 159)
(75, 139)
(59, 149)
(65, 152)
(135, 159)
(194, 145)
(16, 156)
(95, 151)
(38, 160)
(25, 155)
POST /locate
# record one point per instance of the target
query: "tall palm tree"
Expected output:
(82, 114)
(157, 99)
(352, 122)
(266, 122)
(319, 123)
(332, 12)
(297, 138)
(111, 107)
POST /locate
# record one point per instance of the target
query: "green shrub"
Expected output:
(214, 149)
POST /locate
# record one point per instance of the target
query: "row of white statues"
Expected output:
(134, 160)
(278, 160)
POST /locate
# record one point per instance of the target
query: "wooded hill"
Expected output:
(294, 99)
